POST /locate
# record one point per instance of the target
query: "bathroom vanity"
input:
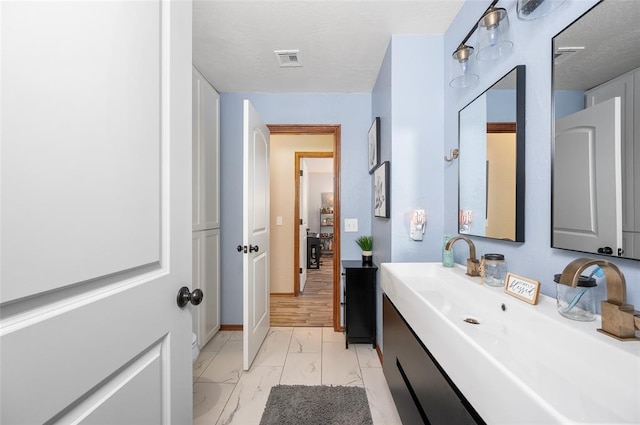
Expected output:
(422, 391)
(456, 351)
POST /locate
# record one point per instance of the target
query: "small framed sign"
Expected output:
(523, 288)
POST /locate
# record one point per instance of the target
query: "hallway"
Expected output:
(314, 306)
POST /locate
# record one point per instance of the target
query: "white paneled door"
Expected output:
(587, 180)
(302, 254)
(256, 316)
(206, 272)
(303, 188)
(95, 212)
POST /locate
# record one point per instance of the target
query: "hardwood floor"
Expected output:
(314, 306)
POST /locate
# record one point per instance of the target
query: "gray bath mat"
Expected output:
(316, 405)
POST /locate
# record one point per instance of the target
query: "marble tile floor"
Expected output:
(223, 394)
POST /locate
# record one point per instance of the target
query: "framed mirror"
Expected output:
(596, 144)
(491, 133)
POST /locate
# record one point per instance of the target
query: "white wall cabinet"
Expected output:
(206, 154)
(206, 206)
(627, 87)
(206, 276)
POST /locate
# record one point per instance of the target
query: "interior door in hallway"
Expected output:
(95, 224)
(256, 314)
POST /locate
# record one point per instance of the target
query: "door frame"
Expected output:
(312, 129)
(296, 215)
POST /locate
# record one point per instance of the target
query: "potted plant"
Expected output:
(366, 245)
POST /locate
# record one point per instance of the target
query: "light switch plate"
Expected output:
(279, 220)
(350, 225)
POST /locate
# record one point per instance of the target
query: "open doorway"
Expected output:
(288, 236)
(314, 202)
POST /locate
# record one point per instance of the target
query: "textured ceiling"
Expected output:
(341, 43)
(610, 35)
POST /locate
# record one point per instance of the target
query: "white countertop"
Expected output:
(525, 364)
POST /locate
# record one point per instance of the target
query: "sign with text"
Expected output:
(523, 288)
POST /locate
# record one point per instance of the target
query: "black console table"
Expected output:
(359, 302)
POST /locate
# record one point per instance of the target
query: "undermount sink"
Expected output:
(516, 363)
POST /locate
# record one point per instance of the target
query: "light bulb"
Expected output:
(493, 35)
(464, 67)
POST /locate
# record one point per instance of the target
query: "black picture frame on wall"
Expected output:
(374, 145)
(381, 201)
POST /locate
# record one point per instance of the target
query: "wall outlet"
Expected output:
(350, 225)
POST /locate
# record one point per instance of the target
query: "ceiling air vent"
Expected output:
(288, 58)
(563, 53)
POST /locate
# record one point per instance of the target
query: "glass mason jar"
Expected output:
(495, 270)
(579, 302)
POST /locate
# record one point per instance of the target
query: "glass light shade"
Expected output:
(528, 10)
(462, 73)
(493, 30)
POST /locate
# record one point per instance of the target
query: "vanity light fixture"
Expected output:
(462, 72)
(492, 44)
(492, 30)
(528, 10)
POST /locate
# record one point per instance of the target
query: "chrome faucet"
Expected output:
(473, 265)
(619, 319)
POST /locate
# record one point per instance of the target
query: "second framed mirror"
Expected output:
(492, 168)
(595, 153)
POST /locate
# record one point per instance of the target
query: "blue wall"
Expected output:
(502, 105)
(568, 102)
(416, 145)
(381, 107)
(419, 114)
(351, 111)
(473, 134)
(532, 47)
(407, 97)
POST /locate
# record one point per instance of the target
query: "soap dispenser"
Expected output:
(447, 256)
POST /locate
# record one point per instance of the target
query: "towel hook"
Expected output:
(454, 153)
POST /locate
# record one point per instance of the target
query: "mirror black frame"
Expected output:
(520, 71)
(553, 244)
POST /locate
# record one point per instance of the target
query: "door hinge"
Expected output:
(301, 221)
(300, 270)
(300, 173)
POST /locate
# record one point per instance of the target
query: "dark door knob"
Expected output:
(605, 250)
(253, 248)
(185, 296)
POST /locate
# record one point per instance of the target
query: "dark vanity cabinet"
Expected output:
(422, 391)
(359, 302)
